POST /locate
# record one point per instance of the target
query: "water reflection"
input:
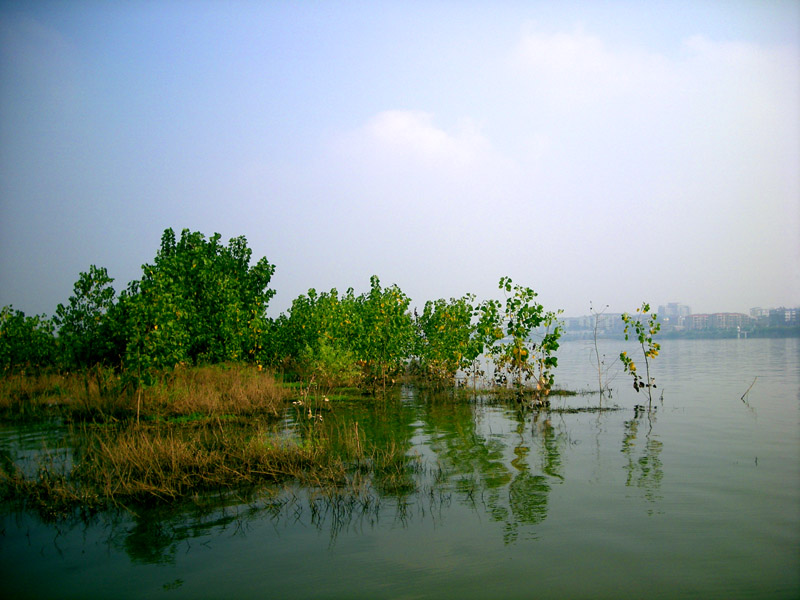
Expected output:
(527, 493)
(642, 449)
(154, 536)
(498, 499)
(495, 472)
(498, 462)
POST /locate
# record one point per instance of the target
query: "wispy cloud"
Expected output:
(409, 138)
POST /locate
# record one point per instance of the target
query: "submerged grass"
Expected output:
(164, 462)
(198, 429)
(202, 430)
(169, 462)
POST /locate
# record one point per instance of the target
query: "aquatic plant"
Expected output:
(446, 341)
(644, 326)
(102, 395)
(603, 379)
(511, 328)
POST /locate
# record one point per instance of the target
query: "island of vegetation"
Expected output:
(181, 383)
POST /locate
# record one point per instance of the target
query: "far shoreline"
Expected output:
(692, 334)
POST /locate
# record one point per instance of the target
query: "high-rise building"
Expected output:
(672, 314)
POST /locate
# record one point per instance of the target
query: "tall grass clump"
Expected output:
(168, 462)
(94, 393)
(216, 390)
(100, 394)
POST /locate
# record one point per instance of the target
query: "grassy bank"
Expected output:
(214, 429)
(101, 395)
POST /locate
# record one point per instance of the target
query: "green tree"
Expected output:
(644, 327)
(84, 328)
(515, 353)
(316, 337)
(315, 318)
(374, 330)
(446, 338)
(327, 366)
(199, 302)
(25, 342)
(384, 333)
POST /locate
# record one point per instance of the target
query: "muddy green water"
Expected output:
(699, 498)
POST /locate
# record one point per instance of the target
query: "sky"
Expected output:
(596, 151)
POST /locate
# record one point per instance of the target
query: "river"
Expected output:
(698, 497)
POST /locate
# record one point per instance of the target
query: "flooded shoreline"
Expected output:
(696, 497)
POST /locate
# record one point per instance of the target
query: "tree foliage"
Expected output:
(199, 302)
(85, 327)
(384, 332)
(644, 327)
(375, 329)
(509, 331)
(25, 342)
(315, 318)
(316, 338)
(446, 339)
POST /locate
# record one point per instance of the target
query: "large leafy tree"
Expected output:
(384, 332)
(84, 327)
(25, 342)
(446, 340)
(516, 353)
(198, 302)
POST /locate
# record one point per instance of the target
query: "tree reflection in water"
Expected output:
(485, 476)
(495, 460)
(644, 467)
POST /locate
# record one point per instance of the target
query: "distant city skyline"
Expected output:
(749, 312)
(658, 309)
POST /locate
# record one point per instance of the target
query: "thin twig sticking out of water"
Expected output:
(746, 403)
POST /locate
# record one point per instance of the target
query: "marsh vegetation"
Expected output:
(182, 385)
(459, 484)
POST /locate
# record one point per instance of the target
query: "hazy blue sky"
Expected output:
(612, 152)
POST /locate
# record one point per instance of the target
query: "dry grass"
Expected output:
(32, 397)
(169, 462)
(217, 390)
(101, 395)
(166, 462)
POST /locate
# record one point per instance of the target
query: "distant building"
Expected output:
(697, 321)
(675, 317)
(728, 320)
(672, 315)
(783, 316)
(608, 324)
(674, 311)
(716, 321)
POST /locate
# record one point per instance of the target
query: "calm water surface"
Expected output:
(698, 498)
